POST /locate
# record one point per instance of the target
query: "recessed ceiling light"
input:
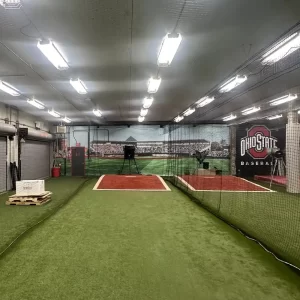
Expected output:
(168, 49)
(232, 83)
(53, 55)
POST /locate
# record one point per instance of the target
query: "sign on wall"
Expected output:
(254, 145)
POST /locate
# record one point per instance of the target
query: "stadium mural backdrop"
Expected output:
(255, 144)
(151, 142)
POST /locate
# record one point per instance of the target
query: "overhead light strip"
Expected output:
(232, 83)
(66, 120)
(283, 99)
(229, 118)
(97, 112)
(178, 119)
(144, 112)
(153, 84)
(54, 113)
(36, 103)
(189, 111)
(141, 119)
(53, 55)
(282, 49)
(204, 101)
(168, 49)
(274, 117)
(251, 110)
(9, 89)
(79, 86)
(147, 102)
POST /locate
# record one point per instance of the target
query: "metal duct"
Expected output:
(6, 129)
(39, 135)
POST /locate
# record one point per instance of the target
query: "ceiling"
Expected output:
(112, 46)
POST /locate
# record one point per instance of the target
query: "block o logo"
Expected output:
(257, 142)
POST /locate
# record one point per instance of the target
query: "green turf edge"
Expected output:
(273, 253)
(43, 218)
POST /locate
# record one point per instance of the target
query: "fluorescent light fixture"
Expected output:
(36, 103)
(141, 119)
(11, 4)
(168, 49)
(204, 101)
(53, 55)
(274, 117)
(284, 99)
(282, 49)
(189, 111)
(143, 112)
(9, 89)
(66, 120)
(178, 119)
(232, 83)
(250, 110)
(79, 86)
(54, 113)
(147, 102)
(153, 85)
(97, 112)
(229, 118)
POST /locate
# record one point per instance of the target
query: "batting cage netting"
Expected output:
(248, 175)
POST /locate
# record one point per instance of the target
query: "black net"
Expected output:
(267, 213)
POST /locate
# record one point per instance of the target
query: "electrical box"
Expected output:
(38, 125)
(61, 129)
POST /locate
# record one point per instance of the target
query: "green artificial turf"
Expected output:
(16, 219)
(273, 218)
(140, 245)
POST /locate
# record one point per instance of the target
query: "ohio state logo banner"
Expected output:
(253, 147)
(257, 142)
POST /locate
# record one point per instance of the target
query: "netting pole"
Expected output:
(292, 153)
(232, 149)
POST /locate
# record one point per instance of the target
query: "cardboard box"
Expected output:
(30, 187)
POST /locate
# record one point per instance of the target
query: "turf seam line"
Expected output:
(42, 220)
(198, 202)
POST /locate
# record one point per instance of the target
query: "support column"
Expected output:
(232, 132)
(293, 153)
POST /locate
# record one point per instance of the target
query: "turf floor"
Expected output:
(16, 219)
(140, 245)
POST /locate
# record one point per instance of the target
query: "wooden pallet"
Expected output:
(29, 203)
(37, 199)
